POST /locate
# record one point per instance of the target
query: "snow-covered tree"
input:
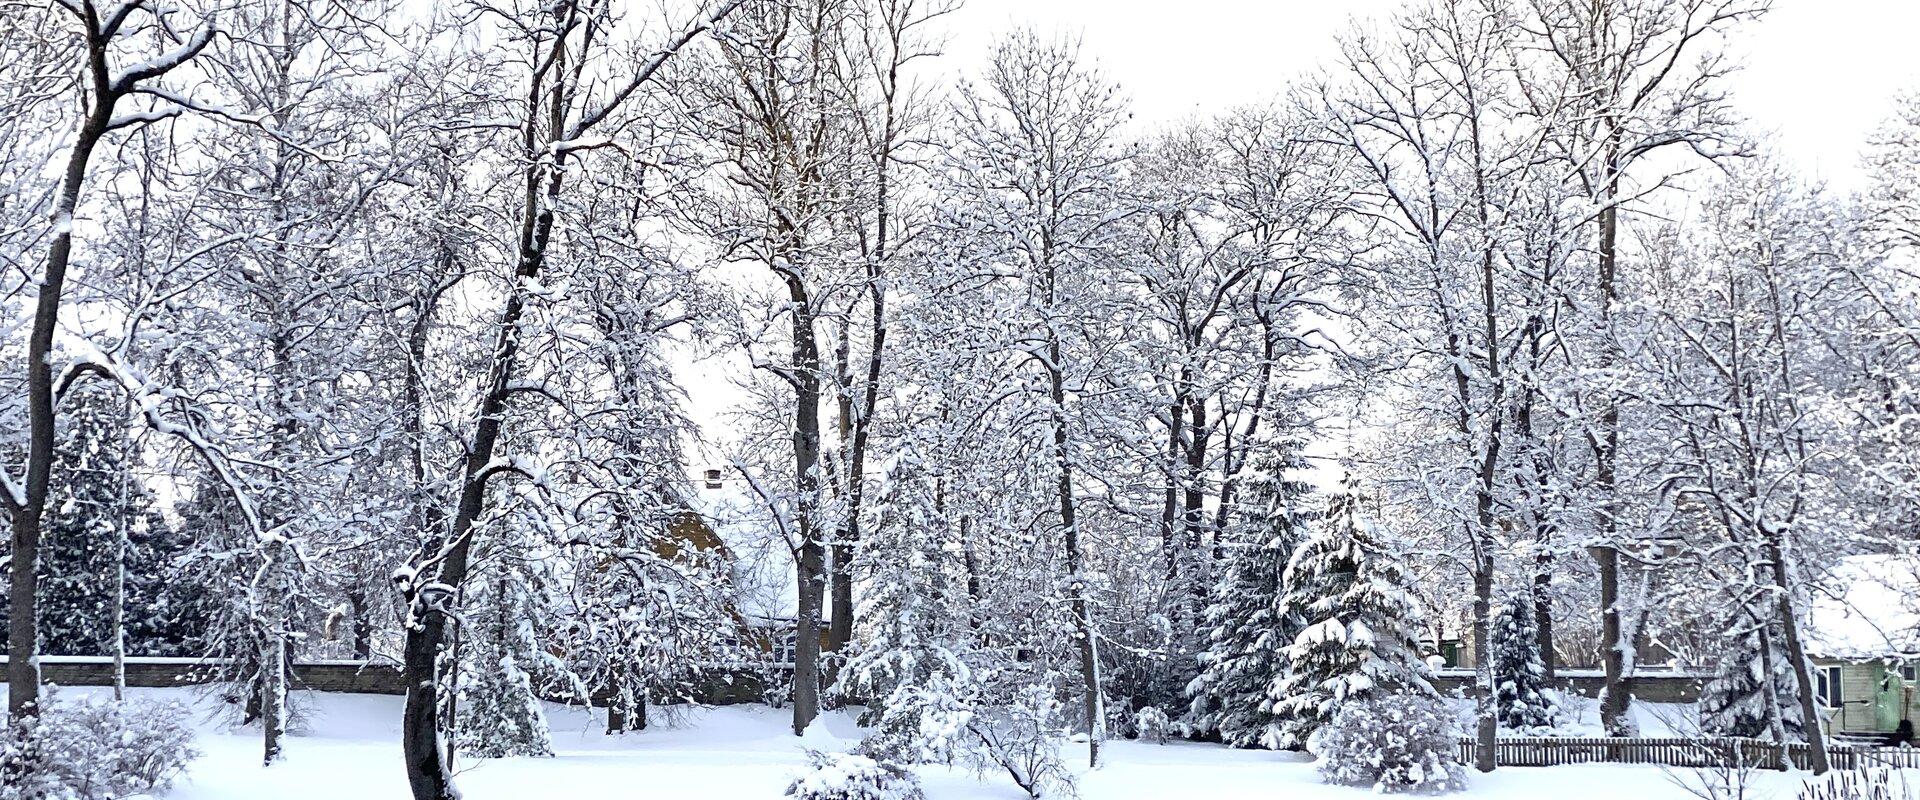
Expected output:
(1360, 626)
(1526, 701)
(1249, 632)
(1752, 693)
(910, 666)
(499, 716)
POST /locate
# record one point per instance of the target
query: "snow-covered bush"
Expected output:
(1873, 783)
(1151, 724)
(1391, 742)
(94, 750)
(1023, 738)
(847, 776)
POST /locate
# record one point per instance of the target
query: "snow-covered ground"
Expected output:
(349, 751)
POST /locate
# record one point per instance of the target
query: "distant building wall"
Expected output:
(1652, 688)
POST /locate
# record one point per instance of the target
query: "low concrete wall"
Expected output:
(322, 676)
(1659, 687)
(721, 687)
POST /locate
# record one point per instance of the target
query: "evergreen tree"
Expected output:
(88, 503)
(166, 608)
(1361, 633)
(499, 714)
(96, 499)
(1737, 702)
(1522, 697)
(1248, 630)
(910, 666)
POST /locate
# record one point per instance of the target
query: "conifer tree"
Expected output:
(1522, 696)
(499, 716)
(1361, 625)
(1248, 630)
(96, 498)
(1738, 702)
(911, 667)
(89, 503)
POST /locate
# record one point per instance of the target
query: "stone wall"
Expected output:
(325, 676)
(724, 687)
(721, 687)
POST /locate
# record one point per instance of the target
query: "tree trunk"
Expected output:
(1092, 701)
(1616, 694)
(23, 623)
(1487, 721)
(810, 557)
(1796, 649)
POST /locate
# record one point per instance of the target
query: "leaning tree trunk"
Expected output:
(1796, 649)
(429, 597)
(29, 510)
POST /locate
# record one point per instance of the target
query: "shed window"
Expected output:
(1826, 686)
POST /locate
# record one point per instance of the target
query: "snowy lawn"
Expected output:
(349, 751)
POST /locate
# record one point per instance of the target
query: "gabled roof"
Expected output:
(1868, 608)
(763, 570)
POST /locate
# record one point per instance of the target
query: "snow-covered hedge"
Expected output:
(94, 750)
(846, 776)
(1391, 742)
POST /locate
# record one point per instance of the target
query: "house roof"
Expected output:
(1869, 608)
(763, 569)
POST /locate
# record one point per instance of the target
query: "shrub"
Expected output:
(1876, 783)
(1022, 738)
(94, 750)
(1391, 742)
(1152, 725)
(845, 776)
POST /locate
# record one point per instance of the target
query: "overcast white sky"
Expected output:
(1820, 73)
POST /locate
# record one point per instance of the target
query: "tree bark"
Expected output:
(810, 557)
(1092, 701)
(1796, 649)
(23, 623)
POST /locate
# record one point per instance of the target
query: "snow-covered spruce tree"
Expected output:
(1248, 629)
(1361, 626)
(1737, 701)
(106, 545)
(90, 499)
(499, 715)
(1522, 696)
(909, 666)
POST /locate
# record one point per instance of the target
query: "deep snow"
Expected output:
(348, 750)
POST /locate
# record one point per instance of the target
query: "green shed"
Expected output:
(1863, 634)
